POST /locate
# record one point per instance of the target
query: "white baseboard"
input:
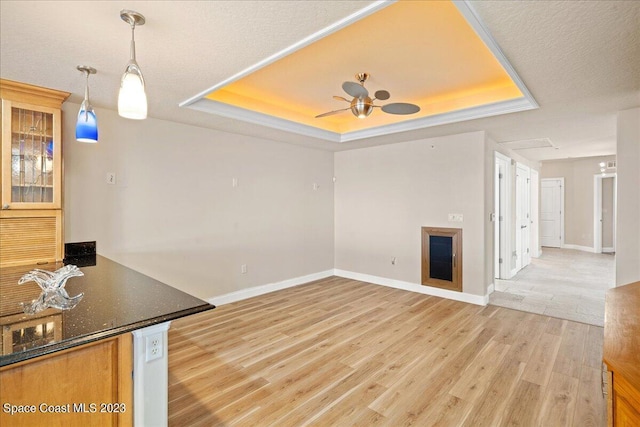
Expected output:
(414, 287)
(376, 280)
(579, 248)
(608, 250)
(265, 289)
(491, 288)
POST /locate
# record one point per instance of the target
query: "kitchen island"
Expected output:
(104, 362)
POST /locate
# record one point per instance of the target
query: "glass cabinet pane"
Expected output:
(441, 265)
(32, 157)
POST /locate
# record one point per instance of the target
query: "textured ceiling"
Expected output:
(580, 60)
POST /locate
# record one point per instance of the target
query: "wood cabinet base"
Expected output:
(90, 385)
(31, 236)
(626, 403)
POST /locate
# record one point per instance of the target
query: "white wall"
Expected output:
(175, 216)
(385, 194)
(578, 195)
(628, 187)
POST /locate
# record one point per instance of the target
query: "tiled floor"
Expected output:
(563, 283)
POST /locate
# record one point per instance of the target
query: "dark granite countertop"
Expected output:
(116, 300)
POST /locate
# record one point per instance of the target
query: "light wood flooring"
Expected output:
(341, 352)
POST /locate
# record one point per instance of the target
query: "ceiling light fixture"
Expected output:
(87, 124)
(132, 99)
(361, 107)
(362, 104)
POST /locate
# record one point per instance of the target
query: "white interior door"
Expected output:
(535, 209)
(608, 215)
(523, 221)
(551, 207)
(604, 213)
(502, 211)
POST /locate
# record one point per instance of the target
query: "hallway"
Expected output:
(563, 283)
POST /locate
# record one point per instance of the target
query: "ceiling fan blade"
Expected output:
(341, 98)
(355, 89)
(382, 95)
(331, 113)
(400, 108)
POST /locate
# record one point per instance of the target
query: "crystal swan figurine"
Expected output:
(53, 293)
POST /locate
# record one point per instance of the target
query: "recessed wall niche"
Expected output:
(442, 258)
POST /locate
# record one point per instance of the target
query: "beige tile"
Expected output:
(562, 283)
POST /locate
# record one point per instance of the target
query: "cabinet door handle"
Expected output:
(5, 207)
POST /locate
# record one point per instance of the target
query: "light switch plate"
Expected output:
(455, 217)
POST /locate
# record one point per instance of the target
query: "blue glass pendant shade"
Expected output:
(87, 125)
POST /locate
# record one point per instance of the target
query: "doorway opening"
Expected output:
(604, 213)
(570, 278)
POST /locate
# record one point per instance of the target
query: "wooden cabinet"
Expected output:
(90, 385)
(622, 354)
(31, 170)
(626, 403)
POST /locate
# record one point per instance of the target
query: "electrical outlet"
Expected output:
(153, 347)
(455, 217)
(234, 182)
(243, 269)
(315, 186)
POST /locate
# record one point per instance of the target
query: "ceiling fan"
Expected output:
(362, 105)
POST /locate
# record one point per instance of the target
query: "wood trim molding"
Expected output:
(16, 91)
(455, 284)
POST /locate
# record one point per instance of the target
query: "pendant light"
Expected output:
(87, 124)
(132, 99)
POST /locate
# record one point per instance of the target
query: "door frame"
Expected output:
(597, 209)
(523, 203)
(561, 179)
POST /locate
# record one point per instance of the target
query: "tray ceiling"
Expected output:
(437, 55)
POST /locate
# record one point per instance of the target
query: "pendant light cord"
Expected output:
(133, 42)
(86, 97)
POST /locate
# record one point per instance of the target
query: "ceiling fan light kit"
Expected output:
(362, 105)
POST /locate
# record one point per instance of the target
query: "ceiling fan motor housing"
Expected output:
(362, 107)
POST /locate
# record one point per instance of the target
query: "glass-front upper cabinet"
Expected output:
(31, 147)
